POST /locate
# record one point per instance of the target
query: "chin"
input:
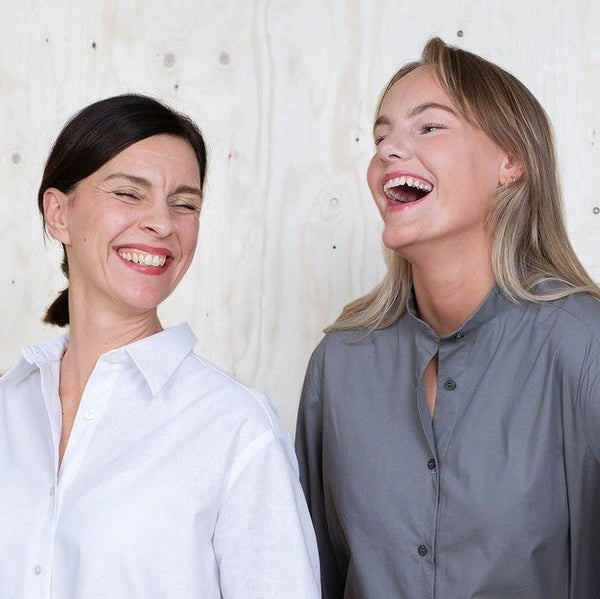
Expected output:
(396, 241)
(142, 304)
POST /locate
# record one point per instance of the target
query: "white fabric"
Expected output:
(177, 482)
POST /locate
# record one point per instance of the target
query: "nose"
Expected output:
(394, 147)
(157, 219)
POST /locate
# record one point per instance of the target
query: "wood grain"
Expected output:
(285, 93)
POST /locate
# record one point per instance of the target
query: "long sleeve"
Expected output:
(589, 399)
(263, 540)
(309, 449)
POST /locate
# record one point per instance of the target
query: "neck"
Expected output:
(449, 292)
(92, 332)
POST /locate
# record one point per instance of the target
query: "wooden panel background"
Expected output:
(284, 91)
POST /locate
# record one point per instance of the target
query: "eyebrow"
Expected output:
(145, 183)
(416, 110)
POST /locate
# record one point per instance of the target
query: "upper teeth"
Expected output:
(410, 181)
(143, 258)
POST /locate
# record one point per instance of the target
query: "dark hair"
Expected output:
(97, 134)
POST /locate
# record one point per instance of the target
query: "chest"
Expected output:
(493, 454)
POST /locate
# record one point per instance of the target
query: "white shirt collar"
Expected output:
(159, 355)
(156, 356)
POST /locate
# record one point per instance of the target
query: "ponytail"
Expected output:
(58, 312)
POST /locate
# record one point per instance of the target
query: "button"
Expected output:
(458, 336)
(89, 415)
(37, 570)
(51, 492)
(431, 464)
(422, 550)
(450, 385)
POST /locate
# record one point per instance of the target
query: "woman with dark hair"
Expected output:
(129, 466)
(449, 427)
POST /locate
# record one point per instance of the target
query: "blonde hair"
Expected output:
(525, 222)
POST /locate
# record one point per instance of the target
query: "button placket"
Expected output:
(97, 394)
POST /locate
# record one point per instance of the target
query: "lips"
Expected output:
(145, 258)
(405, 188)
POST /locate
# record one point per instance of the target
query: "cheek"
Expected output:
(104, 224)
(188, 234)
(374, 173)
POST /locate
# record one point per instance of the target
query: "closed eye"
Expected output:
(186, 207)
(429, 127)
(126, 194)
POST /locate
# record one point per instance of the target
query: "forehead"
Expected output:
(161, 155)
(416, 88)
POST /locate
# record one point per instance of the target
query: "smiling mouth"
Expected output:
(143, 258)
(406, 189)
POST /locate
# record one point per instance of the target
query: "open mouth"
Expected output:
(143, 258)
(406, 189)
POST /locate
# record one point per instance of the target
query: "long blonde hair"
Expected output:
(525, 222)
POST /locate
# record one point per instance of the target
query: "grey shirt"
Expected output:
(500, 497)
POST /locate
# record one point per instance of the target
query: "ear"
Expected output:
(56, 211)
(510, 171)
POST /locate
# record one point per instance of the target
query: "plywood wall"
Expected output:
(284, 91)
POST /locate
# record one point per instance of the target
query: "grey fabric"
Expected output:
(511, 506)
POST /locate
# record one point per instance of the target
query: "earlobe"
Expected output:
(511, 171)
(56, 214)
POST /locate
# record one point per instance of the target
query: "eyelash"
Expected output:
(429, 127)
(188, 207)
(126, 194)
(423, 130)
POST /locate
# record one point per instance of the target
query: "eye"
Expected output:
(130, 195)
(429, 127)
(186, 207)
(378, 139)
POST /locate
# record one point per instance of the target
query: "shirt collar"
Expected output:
(33, 356)
(159, 355)
(156, 356)
(493, 305)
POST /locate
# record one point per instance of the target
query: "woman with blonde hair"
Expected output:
(449, 427)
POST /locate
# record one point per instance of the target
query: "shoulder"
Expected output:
(354, 343)
(350, 354)
(576, 317)
(229, 401)
(47, 352)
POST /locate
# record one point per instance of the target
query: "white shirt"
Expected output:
(177, 482)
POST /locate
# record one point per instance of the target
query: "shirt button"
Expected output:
(450, 385)
(431, 464)
(51, 492)
(422, 550)
(89, 415)
(458, 336)
(37, 570)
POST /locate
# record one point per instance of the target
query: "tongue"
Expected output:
(407, 194)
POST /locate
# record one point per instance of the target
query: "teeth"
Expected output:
(410, 181)
(143, 258)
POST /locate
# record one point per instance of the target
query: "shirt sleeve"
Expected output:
(264, 542)
(309, 449)
(590, 402)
